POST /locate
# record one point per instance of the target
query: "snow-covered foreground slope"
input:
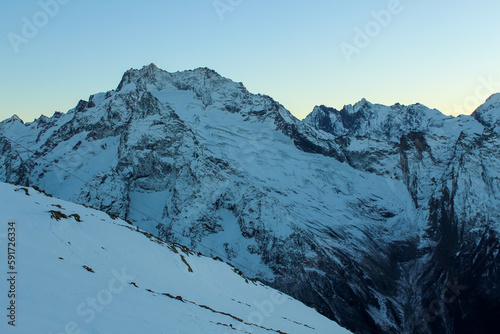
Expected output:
(81, 271)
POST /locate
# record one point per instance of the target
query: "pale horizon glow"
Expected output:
(441, 54)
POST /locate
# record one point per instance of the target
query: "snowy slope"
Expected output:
(134, 283)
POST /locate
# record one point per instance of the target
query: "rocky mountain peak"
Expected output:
(388, 122)
(494, 98)
(363, 104)
(149, 74)
(158, 78)
(206, 84)
(488, 114)
(14, 118)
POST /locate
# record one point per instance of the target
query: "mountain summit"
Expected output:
(383, 218)
(489, 113)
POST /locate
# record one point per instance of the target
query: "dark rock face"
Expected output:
(385, 219)
(13, 168)
(466, 250)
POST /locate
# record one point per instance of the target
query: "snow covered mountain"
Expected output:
(488, 114)
(81, 271)
(371, 214)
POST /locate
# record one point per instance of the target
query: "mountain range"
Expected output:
(382, 218)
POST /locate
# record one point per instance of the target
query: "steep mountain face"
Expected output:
(82, 271)
(450, 169)
(377, 216)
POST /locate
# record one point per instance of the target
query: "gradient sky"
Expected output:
(444, 54)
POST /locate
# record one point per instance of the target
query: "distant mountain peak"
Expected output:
(14, 118)
(184, 80)
(488, 113)
(147, 74)
(361, 104)
(494, 98)
(363, 101)
(206, 71)
(151, 66)
(388, 122)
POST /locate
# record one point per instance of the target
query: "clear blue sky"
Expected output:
(438, 53)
